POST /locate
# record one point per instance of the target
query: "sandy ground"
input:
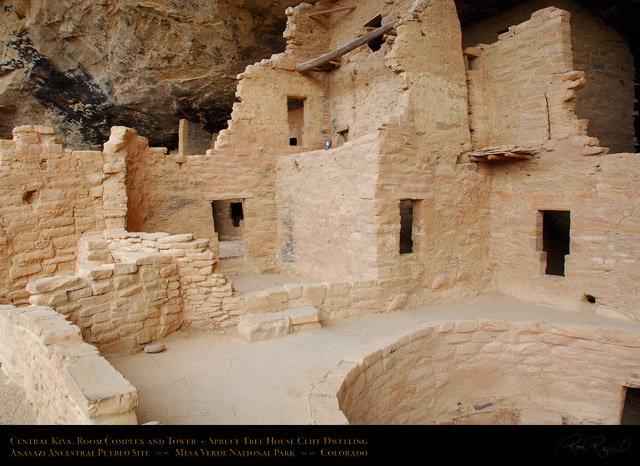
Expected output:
(14, 407)
(209, 378)
(214, 378)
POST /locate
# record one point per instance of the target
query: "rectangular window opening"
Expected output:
(295, 108)
(556, 226)
(631, 407)
(406, 227)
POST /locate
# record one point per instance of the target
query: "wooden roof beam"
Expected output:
(332, 10)
(337, 53)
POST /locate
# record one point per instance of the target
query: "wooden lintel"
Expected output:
(327, 57)
(332, 10)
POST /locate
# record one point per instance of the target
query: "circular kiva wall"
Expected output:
(491, 372)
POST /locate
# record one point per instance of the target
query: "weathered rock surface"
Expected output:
(85, 65)
(82, 66)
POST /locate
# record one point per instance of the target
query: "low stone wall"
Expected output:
(66, 379)
(134, 288)
(484, 372)
(202, 288)
(334, 299)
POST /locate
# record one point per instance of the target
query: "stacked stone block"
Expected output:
(255, 327)
(66, 379)
(541, 373)
(119, 306)
(333, 300)
(49, 196)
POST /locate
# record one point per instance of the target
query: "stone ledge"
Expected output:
(256, 327)
(66, 378)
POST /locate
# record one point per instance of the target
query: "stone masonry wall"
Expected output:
(334, 299)
(66, 379)
(49, 197)
(570, 173)
(119, 306)
(164, 192)
(420, 161)
(411, 153)
(600, 192)
(509, 81)
(598, 50)
(437, 374)
(201, 287)
(341, 243)
(131, 289)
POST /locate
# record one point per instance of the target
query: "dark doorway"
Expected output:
(228, 219)
(631, 409)
(236, 213)
(406, 227)
(556, 225)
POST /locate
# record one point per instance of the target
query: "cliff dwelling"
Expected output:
(471, 178)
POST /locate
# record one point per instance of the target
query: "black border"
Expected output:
(333, 444)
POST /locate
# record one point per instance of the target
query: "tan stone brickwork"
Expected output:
(437, 374)
(49, 197)
(509, 81)
(131, 289)
(600, 51)
(66, 379)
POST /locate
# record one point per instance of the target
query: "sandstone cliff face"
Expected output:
(83, 66)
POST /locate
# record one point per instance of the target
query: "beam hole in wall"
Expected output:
(590, 299)
(343, 136)
(30, 196)
(406, 226)
(556, 225)
(472, 62)
(375, 44)
(295, 108)
(631, 407)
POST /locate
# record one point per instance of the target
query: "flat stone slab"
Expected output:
(183, 238)
(96, 272)
(256, 327)
(303, 315)
(142, 258)
(49, 284)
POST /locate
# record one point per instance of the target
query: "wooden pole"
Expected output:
(333, 10)
(327, 57)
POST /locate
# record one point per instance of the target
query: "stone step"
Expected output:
(257, 327)
(229, 254)
(231, 245)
